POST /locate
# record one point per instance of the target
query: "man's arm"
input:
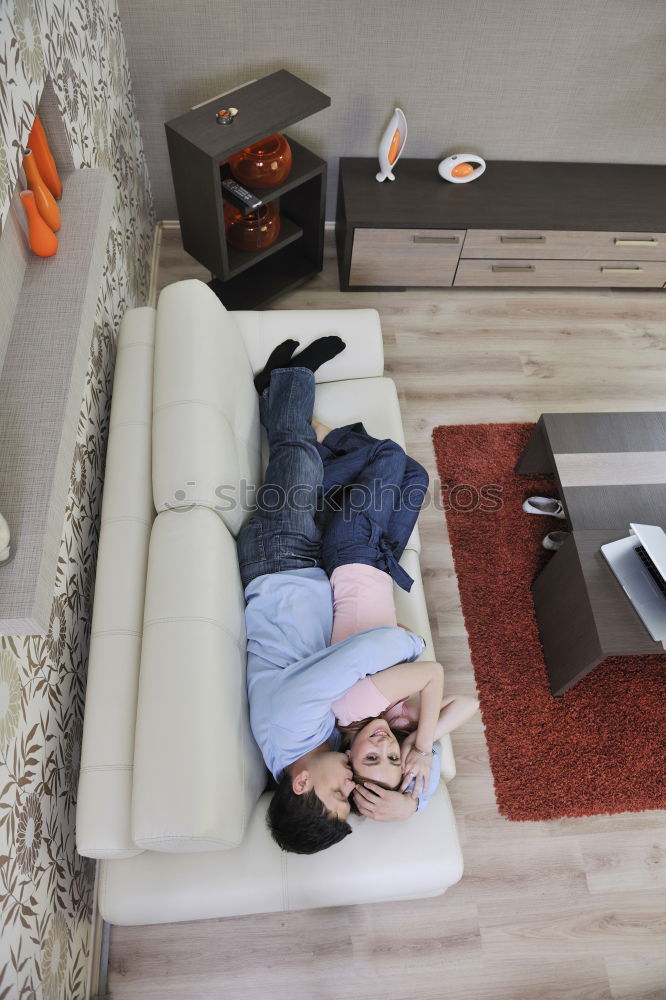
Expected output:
(305, 691)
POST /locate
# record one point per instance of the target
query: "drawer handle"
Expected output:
(436, 239)
(621, 270)
(636, 243)
(513, 267)
(522, 239)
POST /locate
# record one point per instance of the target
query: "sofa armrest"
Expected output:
(359, 328)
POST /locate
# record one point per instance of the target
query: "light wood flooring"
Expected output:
(563, 910)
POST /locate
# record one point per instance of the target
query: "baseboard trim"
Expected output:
(154, 264)
(98, 953)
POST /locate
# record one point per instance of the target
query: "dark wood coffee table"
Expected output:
(609, 469)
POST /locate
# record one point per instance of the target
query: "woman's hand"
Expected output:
(415, 767)
(382, 804)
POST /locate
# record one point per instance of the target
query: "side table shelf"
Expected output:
(198, 149)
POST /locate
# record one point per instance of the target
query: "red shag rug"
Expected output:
(601, 747)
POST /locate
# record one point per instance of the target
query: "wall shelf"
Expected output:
(41, 386)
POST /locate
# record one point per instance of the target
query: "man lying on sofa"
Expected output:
(293, 674)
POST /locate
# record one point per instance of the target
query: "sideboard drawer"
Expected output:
(563, 244)
(562, 273)
(405, 256)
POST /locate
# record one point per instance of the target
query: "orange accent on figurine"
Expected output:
(46, 165)
(43, 241)
(394, 148)
(462, 170)
(44, 200)
(391, 145)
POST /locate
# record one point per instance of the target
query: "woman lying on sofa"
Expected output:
(293, 675)
(376, 492)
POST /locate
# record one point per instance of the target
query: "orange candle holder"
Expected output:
(255, 231)
(263, 164)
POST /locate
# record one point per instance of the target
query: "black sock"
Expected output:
(279, 358)
(318, 352)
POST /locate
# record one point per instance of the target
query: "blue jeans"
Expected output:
(350, 499)
(373, 496)
(283, 533)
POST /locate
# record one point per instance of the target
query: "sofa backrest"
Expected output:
(206, 431)
(103, 820)
(197, 770)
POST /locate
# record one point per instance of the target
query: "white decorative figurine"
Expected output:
(4, 540)
(391, 145)
(461, 168)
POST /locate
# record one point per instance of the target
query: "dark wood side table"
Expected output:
(582, 612)
(199, 149)
(610, 470)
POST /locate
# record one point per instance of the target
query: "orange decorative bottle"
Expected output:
(254, 231)
(43, 241)
(263, 164)
(39, 145)
(44, 200)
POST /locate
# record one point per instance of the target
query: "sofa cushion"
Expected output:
(377, 862)
(412, 611)
(206, 440)
(360, 329)
(197, 770)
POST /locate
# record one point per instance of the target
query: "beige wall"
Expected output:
(511, 79)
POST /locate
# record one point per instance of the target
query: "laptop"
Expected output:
(639, 563)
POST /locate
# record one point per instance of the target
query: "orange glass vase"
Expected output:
(46, 203)
(254, 231)
(43, 241)
(264, 164)
(46, 165)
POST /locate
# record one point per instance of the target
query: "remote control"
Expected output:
(240, 196)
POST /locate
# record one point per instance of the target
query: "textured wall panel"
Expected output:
(507, 78)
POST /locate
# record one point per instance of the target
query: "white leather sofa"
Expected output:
(172, 793)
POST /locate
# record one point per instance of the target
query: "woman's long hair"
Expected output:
(350, 731)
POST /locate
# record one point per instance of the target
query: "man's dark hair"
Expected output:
(301, 823)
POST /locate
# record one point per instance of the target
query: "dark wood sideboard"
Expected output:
(521, 224)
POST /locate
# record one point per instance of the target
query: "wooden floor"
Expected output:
(562, 910)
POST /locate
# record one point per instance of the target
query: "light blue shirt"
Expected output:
(293, 675)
